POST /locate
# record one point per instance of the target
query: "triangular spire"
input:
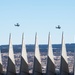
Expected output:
(1, 70)
(50, 70)
(24, 61)
(37, 70)
(50, 51)
(11, 62)
(37, 52)
(11, 53)
(64, 70)
(64, 53)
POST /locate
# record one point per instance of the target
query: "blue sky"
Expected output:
(39, 16)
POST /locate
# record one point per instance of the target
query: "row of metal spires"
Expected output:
(37, 69)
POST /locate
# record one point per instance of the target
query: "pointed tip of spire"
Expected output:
(23, 35)
(49, 35)
(62, 34)
(36, 34)
(10, 35)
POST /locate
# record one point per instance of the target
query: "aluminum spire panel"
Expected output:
(64, 70)
(37, 70)
(1, 70)
(11, 62)
(50, 70)
(24, 61)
